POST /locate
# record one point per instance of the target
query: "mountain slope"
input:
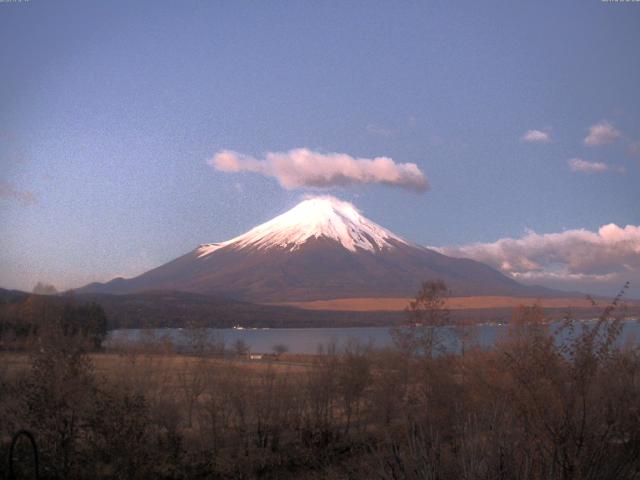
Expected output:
(323, 248)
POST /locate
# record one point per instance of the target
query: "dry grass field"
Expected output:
(162, 367)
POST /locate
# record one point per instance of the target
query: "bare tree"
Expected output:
(426, 316)
(59, 392)
(42, 288)
(280, 349)
(240, 347)
(354, 375)
(191, 378)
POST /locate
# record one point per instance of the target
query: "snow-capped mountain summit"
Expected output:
(323, 248)
(317, 217)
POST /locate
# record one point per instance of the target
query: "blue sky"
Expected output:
(110, 112)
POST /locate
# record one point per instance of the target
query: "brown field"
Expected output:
(454, 303)
(112, 366)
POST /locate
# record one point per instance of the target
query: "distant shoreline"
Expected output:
(453, 303)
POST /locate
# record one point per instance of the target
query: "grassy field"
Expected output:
(163, 367)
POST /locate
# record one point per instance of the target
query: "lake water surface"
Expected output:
(309, 340)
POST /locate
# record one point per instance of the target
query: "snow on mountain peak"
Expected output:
(315, 217)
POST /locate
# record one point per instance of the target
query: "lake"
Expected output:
(309, 340)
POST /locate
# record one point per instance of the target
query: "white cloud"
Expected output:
(584, 166)
(536, 136)
(601, 133)
(305, 168)
(610, 254)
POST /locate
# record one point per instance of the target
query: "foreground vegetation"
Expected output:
(540, 404)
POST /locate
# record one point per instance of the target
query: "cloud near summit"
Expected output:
(302, 167)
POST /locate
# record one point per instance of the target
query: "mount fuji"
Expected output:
(323, 248)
